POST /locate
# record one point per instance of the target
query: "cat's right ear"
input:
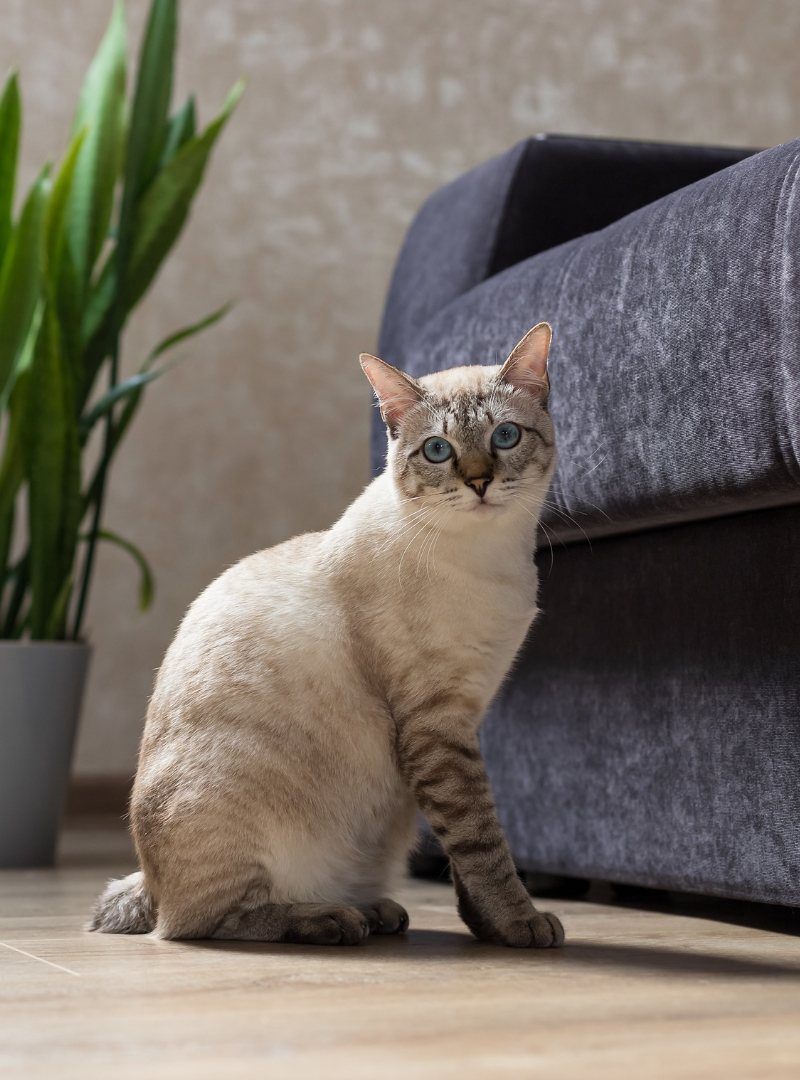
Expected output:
(526, 367)
(396, 391)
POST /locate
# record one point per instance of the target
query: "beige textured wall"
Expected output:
(356, 110)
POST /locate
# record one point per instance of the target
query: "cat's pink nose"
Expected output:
(478, 484)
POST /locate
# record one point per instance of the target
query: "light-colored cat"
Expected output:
(318, 692)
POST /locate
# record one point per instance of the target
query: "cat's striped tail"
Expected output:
(125, 907)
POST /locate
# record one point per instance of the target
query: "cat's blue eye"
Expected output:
(505, 436)
(437, 449)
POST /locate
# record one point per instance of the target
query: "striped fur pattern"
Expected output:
(318, 692)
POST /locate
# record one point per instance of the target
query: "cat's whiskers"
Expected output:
(566, 514)
(433, 552)
(397, 534)
(578, 498)
(570, 520)
(426, 540)
(437, 527)
(422, 528)
(535, 515)
(429, 522)
(550, 542)
(563, 514)
(567, 518)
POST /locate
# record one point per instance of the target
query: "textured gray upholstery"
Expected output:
(447, 251)
(650, 732)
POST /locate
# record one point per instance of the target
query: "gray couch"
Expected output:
(650, 733)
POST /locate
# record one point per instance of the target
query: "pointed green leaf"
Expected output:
(62, 285)
(185, 333)
(122, 390)
(101, 109)
(20, 277)
(134, 398)
(148, 128)
(146, 138)
(165, 205)
(60, 195)
(146, 583)
(136, 383)
(161, 217)
(10, 114)
(25, 357)
(100, 300)
(182, 127)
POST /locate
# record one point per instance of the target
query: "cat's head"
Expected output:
(472, 439)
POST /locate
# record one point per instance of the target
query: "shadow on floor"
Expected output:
(421, 946)
(430, 863)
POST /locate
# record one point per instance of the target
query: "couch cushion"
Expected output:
(676, 356)
(650, 731)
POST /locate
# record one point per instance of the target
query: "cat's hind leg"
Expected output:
(236, 906)
(298, 924)
(313, 924)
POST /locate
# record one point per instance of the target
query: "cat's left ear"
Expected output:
(395, 390)
(526, 367)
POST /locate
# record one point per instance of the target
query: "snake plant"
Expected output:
(85, 246)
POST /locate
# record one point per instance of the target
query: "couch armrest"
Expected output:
(565, 187)
(447, 250)
(541, 193)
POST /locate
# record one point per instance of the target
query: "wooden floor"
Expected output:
(634, 994)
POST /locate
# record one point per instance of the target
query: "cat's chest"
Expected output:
(474, 623)
(489, 608)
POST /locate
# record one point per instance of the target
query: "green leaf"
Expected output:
(147, 135)
(12, 470)
(52, 456)
(100, 300)
(132, 403)
(102, 110)
(148, 130)
(136, 383)
(62, 285)
(58, 616)
(182, 127)
(122, 390)
(162, 214)
(20, 277)
(10, 116)
(19, 576)
(165, 205)
(187, 332)
(60, 195)
(25, 358)
(146, 583)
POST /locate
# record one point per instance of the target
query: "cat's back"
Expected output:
(277, 580)
(254, 621)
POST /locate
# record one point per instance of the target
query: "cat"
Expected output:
(320, 691)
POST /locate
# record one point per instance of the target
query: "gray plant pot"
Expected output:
(41, 686)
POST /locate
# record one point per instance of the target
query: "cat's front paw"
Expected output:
(385, 916)
(537, 930)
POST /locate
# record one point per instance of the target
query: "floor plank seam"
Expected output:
(41, 959)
